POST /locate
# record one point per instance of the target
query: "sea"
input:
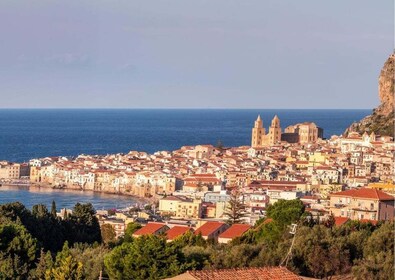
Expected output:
(35, 133)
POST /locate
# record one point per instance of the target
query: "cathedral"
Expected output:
(260, 138)
(303, 133)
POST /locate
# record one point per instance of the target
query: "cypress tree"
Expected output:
(53, 208)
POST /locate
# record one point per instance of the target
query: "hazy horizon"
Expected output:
(193, 55)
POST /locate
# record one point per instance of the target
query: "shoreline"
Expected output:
(140, 200)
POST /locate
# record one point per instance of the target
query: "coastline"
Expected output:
(76, 191)
(72, 188)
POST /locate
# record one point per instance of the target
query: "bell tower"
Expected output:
(258, 132)
(275, 131)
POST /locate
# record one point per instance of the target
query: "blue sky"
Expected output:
(193, 54)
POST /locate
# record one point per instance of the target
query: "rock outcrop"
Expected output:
(381, 121)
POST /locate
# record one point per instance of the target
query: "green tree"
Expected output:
(45, 263)
(147, 257)
(18, 251)
(107, 233)
(92, 259)
(82, 225)
(130, 229)
(53, 209)
(285, 212)
(66, 267)
(378, 255)
(319, 254)
(235, 211)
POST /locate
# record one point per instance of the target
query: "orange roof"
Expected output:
(339, 221)
(373, 222)
(365, 193)
(263, 273)
(235, 230)
(176, 231)
(150, 228)
(208, 228)
(268, 220)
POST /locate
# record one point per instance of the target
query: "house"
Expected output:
(364, 203)
(236, 230)
(118, 225)
(262, 273)
(339, 221)
(211, 230)
(176, 231)
(180, 207)
(151, 228)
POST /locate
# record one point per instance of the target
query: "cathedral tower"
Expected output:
(258, 132)
(275, 131)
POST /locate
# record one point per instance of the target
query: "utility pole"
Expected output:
(288, 256)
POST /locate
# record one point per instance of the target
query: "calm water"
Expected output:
(63, 198)
(27, 134)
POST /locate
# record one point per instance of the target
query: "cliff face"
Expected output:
(381, 121)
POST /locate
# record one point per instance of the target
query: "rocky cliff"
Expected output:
(381, 121)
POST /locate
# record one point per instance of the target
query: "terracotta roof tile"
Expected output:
(365, 193)
(176, 231)
(150, 228)
(235, 230)
(208, 228)
(341, 220)
(264, 273)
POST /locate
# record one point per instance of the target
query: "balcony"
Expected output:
(364, 209)
(339, 205)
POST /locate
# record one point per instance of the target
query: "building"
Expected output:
(176, 232)
(9, 170)
(363, 204)
(151, 228)
(211, 230)
(118, 225)
(263, 273)
(180, 207)
(236, 230)
(307, 132)
(259, 137)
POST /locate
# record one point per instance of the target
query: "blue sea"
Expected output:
(30, 196)
(28, 133)
(35, 133)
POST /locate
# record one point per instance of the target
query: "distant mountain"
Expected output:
(381, 121)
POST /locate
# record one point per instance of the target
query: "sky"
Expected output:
(193, 54)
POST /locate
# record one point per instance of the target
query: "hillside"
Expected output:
(381, 121)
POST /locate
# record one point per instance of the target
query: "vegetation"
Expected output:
(236, 208)
(29, 247)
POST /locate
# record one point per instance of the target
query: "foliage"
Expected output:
(91, 258)
(107, 233)
(147, 257)
(18, 250)
(319, 250)
(378, 255)
(130, 229)
(82, 225)
(235, 210)
(285, 212)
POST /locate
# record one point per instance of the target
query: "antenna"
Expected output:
(288, 256)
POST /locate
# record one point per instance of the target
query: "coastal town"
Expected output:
(348, 177)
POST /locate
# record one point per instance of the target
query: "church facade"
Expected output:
(303, 133)
(259, 137)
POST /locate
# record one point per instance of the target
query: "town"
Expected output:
(189, 189)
